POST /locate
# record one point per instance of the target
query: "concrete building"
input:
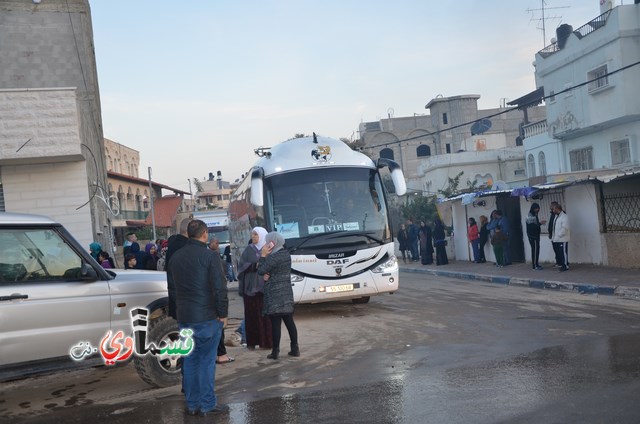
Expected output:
(130, 196)
(454, 125)
(51, 152)
(215, 193)
(584, 155)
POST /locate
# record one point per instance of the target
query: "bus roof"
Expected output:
(304, 153)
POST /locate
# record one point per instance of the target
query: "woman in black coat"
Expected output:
(275, 265)
(440, 242)
(403, 239)
(426, 244)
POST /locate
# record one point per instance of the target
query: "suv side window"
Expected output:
(36, 254)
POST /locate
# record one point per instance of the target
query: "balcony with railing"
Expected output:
(581, 32)
(535, 128)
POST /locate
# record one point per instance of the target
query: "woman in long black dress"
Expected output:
(426, 244)
(440, 242)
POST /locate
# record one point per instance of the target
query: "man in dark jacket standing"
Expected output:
(175, 243)
(202, 306)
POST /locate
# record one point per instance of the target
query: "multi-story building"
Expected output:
(584, 155)
(215, 193)
(130, 196)
(51, 153)
(428, 147)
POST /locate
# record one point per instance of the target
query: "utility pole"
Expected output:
(153, 215)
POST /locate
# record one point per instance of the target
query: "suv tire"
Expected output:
(161, 370)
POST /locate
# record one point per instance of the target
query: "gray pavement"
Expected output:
(580, 278)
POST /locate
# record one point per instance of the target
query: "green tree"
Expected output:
(420, 208)
(453, 186)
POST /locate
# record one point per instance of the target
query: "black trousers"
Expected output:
(276, 330)
(535, 251)
(562, 254)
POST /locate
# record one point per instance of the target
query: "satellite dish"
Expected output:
(480, 126)
(500, 185)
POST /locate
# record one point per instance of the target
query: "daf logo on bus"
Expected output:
(338, 262)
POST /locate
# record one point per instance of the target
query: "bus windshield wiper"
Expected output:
(311, 237)
(367, 235)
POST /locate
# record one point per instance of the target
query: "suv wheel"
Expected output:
(161, 370)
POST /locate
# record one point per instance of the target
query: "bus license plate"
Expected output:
(339, 288)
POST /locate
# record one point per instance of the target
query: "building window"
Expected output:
(581, 159)
(531, 164)
(445, 120)
(423, 150)
(542, 163)
(598, 78)
(386, 153)
(620, 152)
(448, 147)
(552, 96)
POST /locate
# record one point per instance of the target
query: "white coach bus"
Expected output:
(329, 203)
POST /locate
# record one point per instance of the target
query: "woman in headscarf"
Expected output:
(250, 287)
(275, 267)
(150, 259)
(440, 241)
(426, 244)
(94, 249)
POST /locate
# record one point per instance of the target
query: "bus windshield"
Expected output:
(311, 203)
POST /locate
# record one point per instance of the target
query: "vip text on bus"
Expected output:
(329, 204)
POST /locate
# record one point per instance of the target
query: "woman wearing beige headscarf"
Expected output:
(250, 287)
(275, 266)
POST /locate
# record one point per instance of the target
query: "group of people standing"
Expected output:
(497, 230)
(559, 234)
(197, 283)
(420, 242)
(264, 282)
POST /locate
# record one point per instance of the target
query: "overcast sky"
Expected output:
(195, 86)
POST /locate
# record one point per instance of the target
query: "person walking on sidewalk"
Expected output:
(499, 241)
(473, 234)
(561, 236)
(533, 234)
(484, 237)
(274, 266)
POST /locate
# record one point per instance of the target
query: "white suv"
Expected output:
(54, 295)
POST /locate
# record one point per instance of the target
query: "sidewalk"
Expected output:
(580, 278)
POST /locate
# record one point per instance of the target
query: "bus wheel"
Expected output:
(361, 299)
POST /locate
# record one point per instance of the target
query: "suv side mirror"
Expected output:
(88, 273)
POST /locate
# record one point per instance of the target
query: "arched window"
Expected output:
(386, 153)
(542, 163)
(423, 150)
(532, 166)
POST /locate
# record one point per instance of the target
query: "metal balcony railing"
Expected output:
(581, 32)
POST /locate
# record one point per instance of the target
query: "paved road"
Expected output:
(439, 350)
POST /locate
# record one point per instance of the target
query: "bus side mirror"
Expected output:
(397, 176)
(257, 197)
(399, 182)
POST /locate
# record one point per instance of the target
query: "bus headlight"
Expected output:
(295, 278)
(389, 265)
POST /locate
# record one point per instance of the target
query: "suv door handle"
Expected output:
(14, 296)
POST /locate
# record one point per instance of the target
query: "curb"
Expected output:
(619, 291)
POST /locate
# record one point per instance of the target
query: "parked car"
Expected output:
(54, 296)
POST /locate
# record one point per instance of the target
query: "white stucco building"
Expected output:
(584, 155)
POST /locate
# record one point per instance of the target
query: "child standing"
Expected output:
(499, 240)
